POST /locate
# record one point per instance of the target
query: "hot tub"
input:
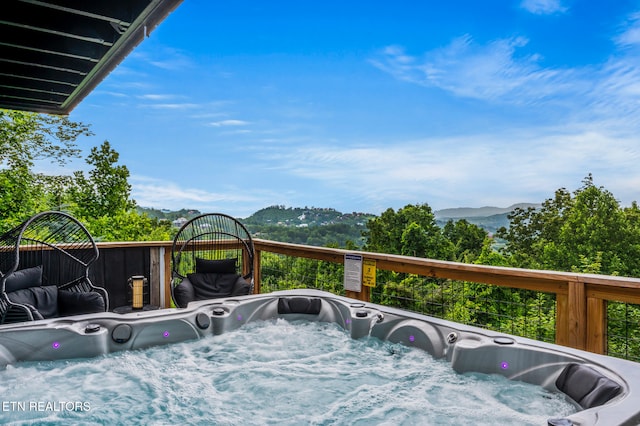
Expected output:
(604, 389)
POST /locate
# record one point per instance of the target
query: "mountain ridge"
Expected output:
(292, 215)
(486, 211)
(267, 219)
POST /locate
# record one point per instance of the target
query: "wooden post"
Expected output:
(353, 294)
(155, 285)
(577, 310)
(364, 294)
(257, 271)
(562, 319)
(167, 278)
(596, 325)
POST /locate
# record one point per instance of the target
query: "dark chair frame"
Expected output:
(60, 245)
(211, 236)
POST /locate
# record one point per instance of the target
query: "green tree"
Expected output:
(129, 226)
(21, 195)
(489, 256)
(24, 139)
(106, 191)
(103, 201)
(586, 231)
(466, 238)
(414, 240)
(412, 230)
(594, 230)
(531, 229)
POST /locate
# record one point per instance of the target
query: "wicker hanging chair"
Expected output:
(212, 257)
(44, 270)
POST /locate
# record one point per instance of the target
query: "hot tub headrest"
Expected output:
(299, 305)
(586, 386)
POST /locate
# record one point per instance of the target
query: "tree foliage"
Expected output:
(467, 240)
(586, 231)
(106, 190)
(101, 199)
(24, 139)
(412, 231)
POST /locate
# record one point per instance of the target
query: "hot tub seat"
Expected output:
(586, 386)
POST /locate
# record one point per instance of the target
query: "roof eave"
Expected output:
(146, 22)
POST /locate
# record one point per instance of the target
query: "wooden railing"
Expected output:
(581, 299)
(581, 314)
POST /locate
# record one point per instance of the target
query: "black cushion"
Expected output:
(586, 386)
(23, 296)
(43, 299)
(24, 278)
(224, 266)
(213, 285)
(26, 298)
(241, 287)
(605, 390)
(299, 305)
(183, 293)
(73, 303)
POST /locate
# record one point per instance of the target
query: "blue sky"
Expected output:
(365, 105)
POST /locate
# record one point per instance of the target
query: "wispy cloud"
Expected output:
(495, 167)
(498, 73)
(630, 35)
(173, 106)
(543, 7)
(152, 192)
(165, 58)
(156, 96)
(111, 93)
(162, 102)
(491, 72)
(227, 123)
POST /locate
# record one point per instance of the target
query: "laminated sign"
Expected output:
(369, 273)
(353, 272)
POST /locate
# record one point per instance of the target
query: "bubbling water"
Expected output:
(268, 373)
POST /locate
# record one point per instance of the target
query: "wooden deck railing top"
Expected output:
(580, 298)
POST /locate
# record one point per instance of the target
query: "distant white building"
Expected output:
(179, 222)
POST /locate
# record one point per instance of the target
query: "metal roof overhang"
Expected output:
(53, 53)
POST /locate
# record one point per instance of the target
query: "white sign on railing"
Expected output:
(353, 272)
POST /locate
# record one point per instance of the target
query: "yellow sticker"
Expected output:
(369, 272)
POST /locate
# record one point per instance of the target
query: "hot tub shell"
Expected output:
(468, 349)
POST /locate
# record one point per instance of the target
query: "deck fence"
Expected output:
(596, 313)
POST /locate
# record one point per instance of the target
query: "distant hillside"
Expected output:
(327, 226)
(309, 225)
(169, 215)
(488, 218)
(304, 216)
(469, 212)
(488, 223)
